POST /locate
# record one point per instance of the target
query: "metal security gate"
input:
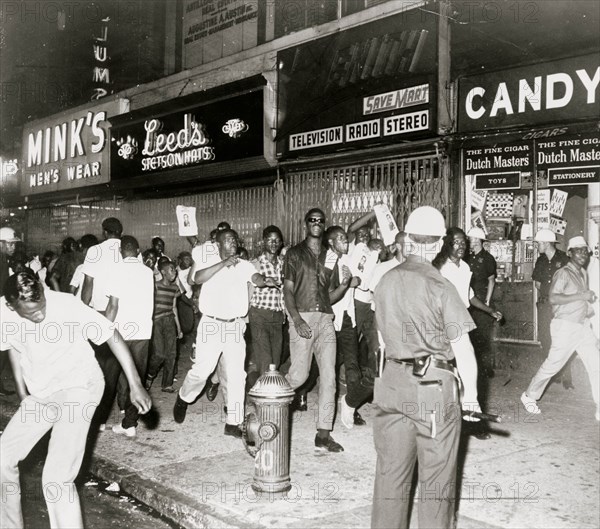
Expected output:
(347, 192)
(247, 210)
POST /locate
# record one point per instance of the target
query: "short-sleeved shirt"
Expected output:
(570, 280)
(483, 265)
(225, 295)
(133, 285)
(310, 276)
(270, 298)
(346, 304)
(545, 269)
(55, 354)
(65, 267)
(460, 277)
(164, 296)
(100, 263)
(379, 271)
(419, 312)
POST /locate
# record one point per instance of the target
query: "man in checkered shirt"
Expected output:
(266, 308)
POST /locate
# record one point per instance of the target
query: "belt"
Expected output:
(435, 362)
(220, 319)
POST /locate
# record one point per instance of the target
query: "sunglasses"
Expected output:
(316, 220)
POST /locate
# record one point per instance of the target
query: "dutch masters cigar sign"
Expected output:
(68, 150)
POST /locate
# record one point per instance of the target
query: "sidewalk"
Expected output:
(536, 471)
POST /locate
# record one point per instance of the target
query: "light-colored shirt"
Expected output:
(55, 354)
(570, 280)
(101, 262)
(77, 280)
(225, 295)
(380, 270)
(346, 304)
(460, 277)
(184, 286)
(133, 285)
(204, 254)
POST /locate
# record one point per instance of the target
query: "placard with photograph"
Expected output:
(387, 224)
(186, 220)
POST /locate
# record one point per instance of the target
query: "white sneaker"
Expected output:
(530, 404)
(102, 427)
(129, 432)
(346, 414)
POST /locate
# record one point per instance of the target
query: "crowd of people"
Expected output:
(307, 309)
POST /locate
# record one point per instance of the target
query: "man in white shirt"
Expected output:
(100, 265)
(223, 303)
(341, 297)
(59, 383)
(130, 307)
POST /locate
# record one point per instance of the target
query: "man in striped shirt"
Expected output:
(166, 329)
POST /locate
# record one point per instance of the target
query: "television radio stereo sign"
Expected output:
(380, 127)
(68, 150)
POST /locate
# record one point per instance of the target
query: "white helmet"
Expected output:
(476, 233)
(426, 220)
(545, 236)
(8, 235)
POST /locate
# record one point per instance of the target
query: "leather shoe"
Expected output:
(358, 420)
(300, 403)
(180, 409)
(233, 430)
(328, 444)
(483, 435)
(211, 390)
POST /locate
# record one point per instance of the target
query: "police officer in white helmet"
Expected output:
(420, 317)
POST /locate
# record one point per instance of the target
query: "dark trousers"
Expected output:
(164, 350)
(139, 352)
(111, 369)
(405, 431)
(365, 326)
(266, 343)
(481, 338)
(4, 365)
(347, 353)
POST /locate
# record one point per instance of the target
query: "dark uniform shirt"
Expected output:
(545, 269)
(4, 272)
(483, 265)
(310, 277)
(419, 312)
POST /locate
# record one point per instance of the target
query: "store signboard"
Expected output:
(571, 160)
(550, 92)
(374, 83)
(68, 150)
(498, 166)
(506, 180)
(228, 130)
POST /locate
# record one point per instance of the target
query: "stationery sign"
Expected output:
(573, 160)
(228, 130)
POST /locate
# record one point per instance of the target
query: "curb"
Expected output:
(177, 507)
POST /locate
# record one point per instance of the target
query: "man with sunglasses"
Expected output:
(307, 274)
(570, 329)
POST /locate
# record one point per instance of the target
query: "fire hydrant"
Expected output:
(266, 431)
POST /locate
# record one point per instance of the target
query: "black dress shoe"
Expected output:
(483, 436)
(328, 444)
(211, 390)
(180, 409)
(358, 420)
(233, 430)
(299, 403)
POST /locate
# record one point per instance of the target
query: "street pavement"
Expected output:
(535, 471)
